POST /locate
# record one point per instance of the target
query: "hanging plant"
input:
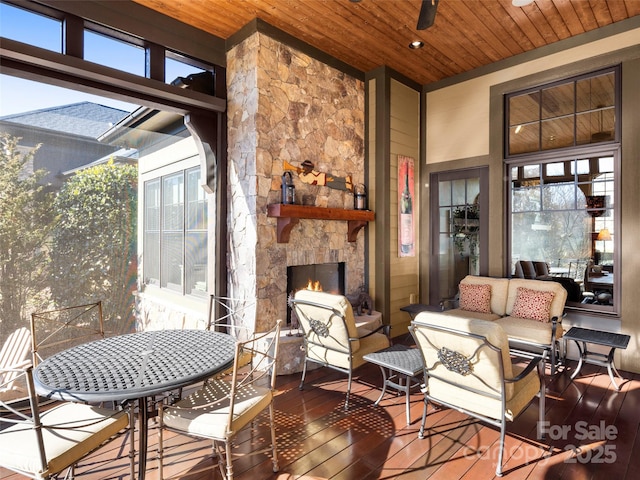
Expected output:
(466, 223)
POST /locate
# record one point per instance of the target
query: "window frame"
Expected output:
(564, 154)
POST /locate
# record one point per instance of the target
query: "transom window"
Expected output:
(106, 46)
(580, 111)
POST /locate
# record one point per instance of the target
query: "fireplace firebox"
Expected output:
(330, 277)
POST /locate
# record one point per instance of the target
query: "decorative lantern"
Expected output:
(288, 189)
(360, 197)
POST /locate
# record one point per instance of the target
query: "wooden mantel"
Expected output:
(289, 215)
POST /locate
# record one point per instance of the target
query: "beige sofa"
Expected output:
(511, 303)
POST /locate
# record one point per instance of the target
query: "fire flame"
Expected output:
(314, 286)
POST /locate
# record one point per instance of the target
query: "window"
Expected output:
(114, 53)
(178, 67)
(563, 191)
(175, 233)
(44, 32)
(574, 112)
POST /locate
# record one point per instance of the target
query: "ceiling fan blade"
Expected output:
(427, 14)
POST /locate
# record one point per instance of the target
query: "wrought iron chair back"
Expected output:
(56, 330)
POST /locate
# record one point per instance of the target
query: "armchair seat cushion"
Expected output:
(479, 391)
(200, 414)
(373, 343)
(70, 431)
(333, 349)
(523, 391)
(520, 398)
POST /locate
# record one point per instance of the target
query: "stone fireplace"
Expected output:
(286, 106)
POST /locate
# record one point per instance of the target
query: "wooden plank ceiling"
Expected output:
(366, 34)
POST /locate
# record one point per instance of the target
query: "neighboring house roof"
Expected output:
(86, 119)
(68, 135)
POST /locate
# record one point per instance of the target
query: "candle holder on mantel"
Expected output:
(360, 197)
(288, 189)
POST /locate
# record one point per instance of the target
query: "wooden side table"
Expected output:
(597, 337)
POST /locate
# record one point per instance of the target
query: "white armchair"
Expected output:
(331, 337)
(467, 367)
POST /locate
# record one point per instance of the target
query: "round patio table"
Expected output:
(134, 367)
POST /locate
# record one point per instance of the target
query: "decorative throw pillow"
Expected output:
(532, 304)
(475, 298)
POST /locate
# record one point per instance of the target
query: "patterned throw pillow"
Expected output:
(475, 298)
(532, 304)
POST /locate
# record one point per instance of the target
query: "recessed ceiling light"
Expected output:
(521, 3)
(416, 44)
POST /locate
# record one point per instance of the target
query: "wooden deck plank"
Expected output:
(319, 439)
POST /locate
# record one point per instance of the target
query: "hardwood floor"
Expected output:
(318, 439)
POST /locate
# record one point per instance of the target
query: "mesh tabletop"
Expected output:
(399, 358)
(598, 337)
(134, 365)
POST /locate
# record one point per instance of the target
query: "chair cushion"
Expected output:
(475, 298)
(339, 338)
(368, 323)
(89, 427)
(211, 419)
(523, 391)
(488, 371)
(533, 304)
(370, 344)
(486, 378)
(520, 393)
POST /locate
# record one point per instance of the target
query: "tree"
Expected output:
(26, 218)
(94, 243)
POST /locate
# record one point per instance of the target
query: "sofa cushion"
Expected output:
(475, 298)
(532, 304)
(458, 312)
(559, 297)
(527, 330)
(499, 291)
